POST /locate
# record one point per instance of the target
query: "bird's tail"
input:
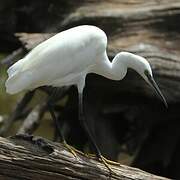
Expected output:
(17, 79)
(15, 68)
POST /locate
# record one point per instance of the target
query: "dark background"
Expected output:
(129, 122)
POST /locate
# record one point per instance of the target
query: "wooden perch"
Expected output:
(28, 157)
(143, 27)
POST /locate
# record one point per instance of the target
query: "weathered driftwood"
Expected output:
(32, 121)
(18, 112)
(28, 157)
(144, 27)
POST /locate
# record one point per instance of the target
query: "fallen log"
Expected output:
(28, 157)
(146, 28)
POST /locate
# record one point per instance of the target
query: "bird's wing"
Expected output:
(54, 59)
(47, 65)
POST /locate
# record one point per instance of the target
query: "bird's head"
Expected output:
(142, 67)
(147, 75)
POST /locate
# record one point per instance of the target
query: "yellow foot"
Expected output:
(70, 149)
(90, 155)
(93, 156)
(73, 150)
(105, 162)
(111, 162)
(77, 151)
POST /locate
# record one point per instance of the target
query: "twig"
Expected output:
(32, 121)
(33, 39)
(17, 112)
(10, 59)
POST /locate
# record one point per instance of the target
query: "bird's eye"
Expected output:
(146, 72)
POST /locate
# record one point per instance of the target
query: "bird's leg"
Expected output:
(90, 137)
(51, 110)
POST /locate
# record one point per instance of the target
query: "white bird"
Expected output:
(66, 58)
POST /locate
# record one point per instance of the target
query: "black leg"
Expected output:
(50, 104)
(90, 136)
(50, 107)
(85, 126)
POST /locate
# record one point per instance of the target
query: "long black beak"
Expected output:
(157, 90)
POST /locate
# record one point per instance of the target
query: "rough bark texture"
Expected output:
(28, 157)
(125, 113)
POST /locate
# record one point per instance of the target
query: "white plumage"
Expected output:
(67, 58)
(58, 61)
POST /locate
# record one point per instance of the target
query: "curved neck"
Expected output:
(111, 70)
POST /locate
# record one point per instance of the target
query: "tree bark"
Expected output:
(28, 157)
(147, 28)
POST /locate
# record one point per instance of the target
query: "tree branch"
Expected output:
(28, 157)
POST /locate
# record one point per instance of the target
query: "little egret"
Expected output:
(66, 58)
